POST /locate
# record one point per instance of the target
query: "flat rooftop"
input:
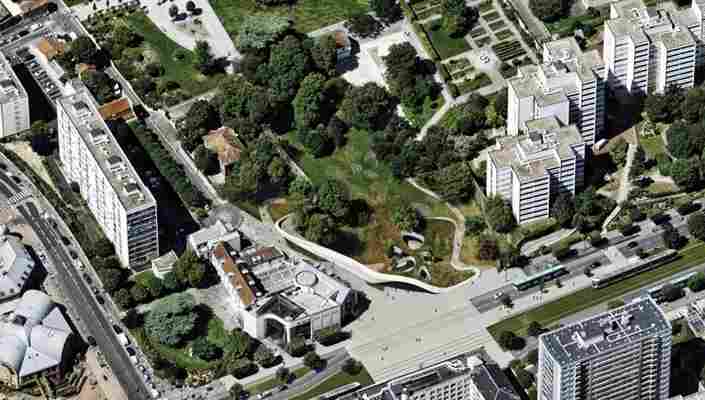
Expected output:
(657, 24)
(114, 164)
(10, 86)
(604, 332)
(532, 154)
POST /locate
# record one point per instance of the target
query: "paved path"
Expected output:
(178, 111)
(531, 246)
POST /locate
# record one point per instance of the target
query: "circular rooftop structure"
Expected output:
(306, 278)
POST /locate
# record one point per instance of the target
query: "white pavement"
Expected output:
(186, 33)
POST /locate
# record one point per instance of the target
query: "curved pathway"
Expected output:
(356, 268)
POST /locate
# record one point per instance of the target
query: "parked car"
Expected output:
(117, 329)
(91, 340)
(632, 244)
(87, 278)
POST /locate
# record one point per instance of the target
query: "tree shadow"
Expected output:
(687, 361)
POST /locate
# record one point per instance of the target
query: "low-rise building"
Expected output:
(203, 241)
(459, 378)
(225, 144)
(278, 297)
(530, 170)
(35, 340)
(14, 102)
(164, 264)
(16, 266)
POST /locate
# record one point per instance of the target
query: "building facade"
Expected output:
(90, 156)
(569, 85)
(14, 102)
(648, 49)
(623, 354)
(459, 378)
(530, 170)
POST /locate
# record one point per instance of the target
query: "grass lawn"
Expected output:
(652, 145)
(468, 85)
(552, 312)
(370, 180)
(308, 15)
(565, 26)
(445, 45)
(269, 383)
(662, 187)
(181, 71)
(337, 380)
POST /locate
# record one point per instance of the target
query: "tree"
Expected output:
(324, 54)
(189, 269)
(405, 218)
(190, 6)
(663, 107)
(474, 225)
(351, 366)
(309, 101)
(257, 31)
(123, 299)
(103, 247)
(401, 63)
(671, 292)
(499, 214)
(679, 143)
(171, 282)
(333, 198)
(199, 119)
(563, 209)
(320, 228)
(283, 375)
(487, 248)
(638, 163)
(173, 11)
(101, 86)
(264, 356)
(139, 293)
(336, 130)
(112, 278)
(686, 173)
(532, 357)
(693, 107)
(366, 107)
(363, 25)
(457, 17)
(206, 160)
(296, 347)
(84, 51)
(241, 367)
(386, 10)
(696, 226)
(314, 361)
(237, 343)
(618, 152)
(506, 301)
(236, 391)
(315, 140)
(697, 282)
(154, 70)
(203, 60)
(204, 349)
(288, 65)
(534, 329)
(40, 141)
(453, 183)
(509, 341)
(171, 319)
(524, 378)
(548, 10)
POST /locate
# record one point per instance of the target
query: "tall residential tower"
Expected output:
(119, 201)
(623, 354)
(14, 103)
(569, 85)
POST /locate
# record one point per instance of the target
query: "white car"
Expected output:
(498, 295)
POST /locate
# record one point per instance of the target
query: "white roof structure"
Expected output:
(33, 337)
(16, 265)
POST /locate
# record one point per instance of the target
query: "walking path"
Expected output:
(533, 245)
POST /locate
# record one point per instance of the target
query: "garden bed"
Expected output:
(477, 32)
(446, 45)
(469, 85)
(508, 49)
(489, 17)
(497, 25)
(501, 35)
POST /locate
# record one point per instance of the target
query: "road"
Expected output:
(84, 306)
(587, 256)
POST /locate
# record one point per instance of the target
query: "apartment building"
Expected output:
(648, 49)
(14, 102)
(459, 378)
(568, 85)
(623, 354)
(90, 156)
(530, 170)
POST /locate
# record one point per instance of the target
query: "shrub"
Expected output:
(297, 347)
(314, 361)
(264, 356)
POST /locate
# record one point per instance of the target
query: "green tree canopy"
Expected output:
(548, 10)
(333, 198)
(499, 214)
(405, 217)
(366, 107)
(204, 349)
(324, 55)
(259, 31)
(171, 319)
(563, 209)
(309, 101)
(696, 225)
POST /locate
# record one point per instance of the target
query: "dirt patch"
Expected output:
(24, 151)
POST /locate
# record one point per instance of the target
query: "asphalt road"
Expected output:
(85, 305)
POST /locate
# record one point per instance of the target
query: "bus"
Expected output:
(341, 391)
(549, 273)
(649, 263)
